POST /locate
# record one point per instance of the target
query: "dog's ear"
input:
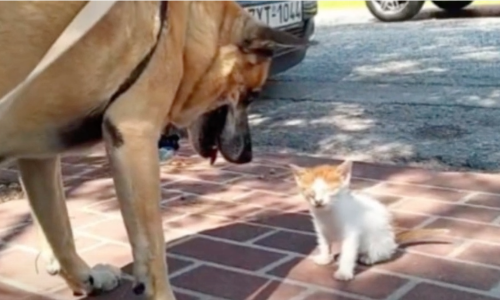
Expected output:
(263, 41)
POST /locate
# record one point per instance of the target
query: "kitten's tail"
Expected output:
(416, 235)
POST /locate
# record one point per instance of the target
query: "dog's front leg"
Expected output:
(41, 179)
(132, 149)
(52, 266)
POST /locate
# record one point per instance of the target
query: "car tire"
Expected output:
(410, 10)
(452, 6)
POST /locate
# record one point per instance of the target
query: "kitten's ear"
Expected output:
(345, 170)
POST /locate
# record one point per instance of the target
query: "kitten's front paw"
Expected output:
(323, 259)
(342, 275)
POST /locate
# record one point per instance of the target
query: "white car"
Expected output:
(396, 11)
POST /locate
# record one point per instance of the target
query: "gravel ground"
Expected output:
(423, 93)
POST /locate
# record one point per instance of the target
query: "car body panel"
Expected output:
(287, 59)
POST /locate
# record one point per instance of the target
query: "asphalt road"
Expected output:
(423, 93)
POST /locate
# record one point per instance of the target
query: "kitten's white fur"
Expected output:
(361, 223)
(364, 226)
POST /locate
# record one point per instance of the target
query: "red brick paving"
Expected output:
(446, 209)
(235, 285)
(457, 273)
(10, 293)
(469, 230)
(326, 296)
(241, 233)
(368, 283)
(289, 241)
(429, 291)
(419, 192)
(487, 200)
(481, 253)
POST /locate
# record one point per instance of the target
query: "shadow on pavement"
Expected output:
(472, 11)
(425, 97)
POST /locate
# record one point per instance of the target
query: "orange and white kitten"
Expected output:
(363, 224)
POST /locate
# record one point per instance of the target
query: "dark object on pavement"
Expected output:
(168, 146)
(397, 11)
(169, 141)
(452, 6)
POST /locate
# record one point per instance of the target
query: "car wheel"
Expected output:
(394, 11)
(452, 5)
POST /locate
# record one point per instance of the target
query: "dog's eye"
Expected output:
(251, 95)
(254, 94)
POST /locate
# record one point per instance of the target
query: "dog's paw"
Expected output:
(52, 266)
(342, 275)
(323, 259)
(103, 278)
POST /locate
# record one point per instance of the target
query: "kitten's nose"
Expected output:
(317, 203)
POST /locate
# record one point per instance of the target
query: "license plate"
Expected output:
(279, 14)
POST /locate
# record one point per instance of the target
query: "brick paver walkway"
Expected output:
(240, 232)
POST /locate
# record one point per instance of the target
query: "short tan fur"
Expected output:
(122, 83)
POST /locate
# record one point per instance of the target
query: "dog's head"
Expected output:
(224, 126)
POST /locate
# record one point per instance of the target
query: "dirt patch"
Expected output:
(440, 132)
(10, 188)
(10, 191)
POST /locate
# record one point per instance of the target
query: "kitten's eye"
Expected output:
(334, 191)
(309, 196)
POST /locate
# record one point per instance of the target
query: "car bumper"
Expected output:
(286, 60)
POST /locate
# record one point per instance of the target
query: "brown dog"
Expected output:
(193, 64)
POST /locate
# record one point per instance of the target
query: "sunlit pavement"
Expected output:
(422, 93)
(241, 232)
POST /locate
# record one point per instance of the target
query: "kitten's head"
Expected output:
(319, 185)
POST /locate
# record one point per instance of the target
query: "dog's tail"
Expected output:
(417, 235)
